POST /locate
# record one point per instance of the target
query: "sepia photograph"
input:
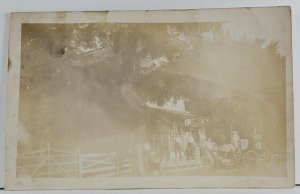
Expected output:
(128, 98)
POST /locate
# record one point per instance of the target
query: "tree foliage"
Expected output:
(112, 58)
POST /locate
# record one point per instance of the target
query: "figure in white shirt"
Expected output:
(235, 140)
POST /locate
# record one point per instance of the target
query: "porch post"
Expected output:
(140, 151)
(79, 163)
(49, 160)
(169, 145)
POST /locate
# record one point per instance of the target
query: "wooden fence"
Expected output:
(95, 165)
(55, 163)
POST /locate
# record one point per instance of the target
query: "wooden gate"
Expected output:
(55, 163)
(104, 165)
(49, 163)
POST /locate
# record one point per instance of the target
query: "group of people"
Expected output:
(186, 146)
(226, 154)
(207, 147)
(184, 149)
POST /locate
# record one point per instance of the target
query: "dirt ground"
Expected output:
(274, 170)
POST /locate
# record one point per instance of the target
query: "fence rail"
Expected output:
(55, 163)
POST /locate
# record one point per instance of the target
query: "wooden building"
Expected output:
(165, 129)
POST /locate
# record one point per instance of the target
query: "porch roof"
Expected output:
(184, 114)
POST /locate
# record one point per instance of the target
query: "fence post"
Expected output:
(79, 163)
(117, 164)
(49, 160)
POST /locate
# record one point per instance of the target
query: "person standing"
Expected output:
(235, 141)
(190, 146)
(177, 146)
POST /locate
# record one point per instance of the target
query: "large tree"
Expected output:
(114, 69)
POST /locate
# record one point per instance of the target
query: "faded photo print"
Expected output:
(151, 99)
